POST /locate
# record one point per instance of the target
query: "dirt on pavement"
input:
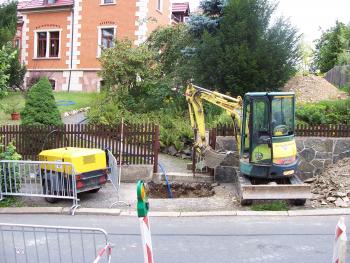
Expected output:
(312, 88)
(332, 187)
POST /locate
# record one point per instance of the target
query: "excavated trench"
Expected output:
(180, 190)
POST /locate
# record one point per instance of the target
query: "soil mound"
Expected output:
(313, 89)
(332, 187)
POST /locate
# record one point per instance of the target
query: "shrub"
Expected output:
(40, 106)
(324, 112)
(175, 129)
(9, 153)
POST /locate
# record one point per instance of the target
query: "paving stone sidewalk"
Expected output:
(223, 200)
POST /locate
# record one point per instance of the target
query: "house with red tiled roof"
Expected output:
(180, 12)
(63, 39)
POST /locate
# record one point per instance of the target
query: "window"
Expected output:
(282, 115)
(53, 83)
(47, 44)
(17, 43)
(42, 39)
(106, 38)
(107, 2)
(54, 44)
(159, 5)
(102, 86)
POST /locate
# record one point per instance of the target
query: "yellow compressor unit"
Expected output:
(90, 170)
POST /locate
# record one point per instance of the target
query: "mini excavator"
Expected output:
(266, 153)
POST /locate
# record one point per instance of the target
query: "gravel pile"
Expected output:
(332, 187)
(312, 88)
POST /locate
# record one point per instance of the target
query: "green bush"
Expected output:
(40, 106)
(324, 112)
(9, 153)
(175, 128)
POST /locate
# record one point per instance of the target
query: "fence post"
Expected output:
(156, 146)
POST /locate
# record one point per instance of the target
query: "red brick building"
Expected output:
(63, 39)
(180, 12)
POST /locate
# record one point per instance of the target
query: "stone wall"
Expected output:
(133, 173)
(315, 153)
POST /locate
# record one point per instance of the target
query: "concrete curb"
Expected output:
(118, 212)
(31, 210)
(93, 211)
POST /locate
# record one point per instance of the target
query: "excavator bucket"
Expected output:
(213, 158)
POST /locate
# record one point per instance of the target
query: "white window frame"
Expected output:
(99, 39)
(160, 7)
(102, 2)
(47, 55)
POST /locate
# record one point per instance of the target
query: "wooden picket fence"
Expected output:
(321, 130)
(141, 141)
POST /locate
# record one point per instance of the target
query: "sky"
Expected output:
(309, 16)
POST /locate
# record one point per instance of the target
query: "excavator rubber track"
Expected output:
(295, 190)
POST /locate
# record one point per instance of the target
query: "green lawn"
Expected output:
(81, 100)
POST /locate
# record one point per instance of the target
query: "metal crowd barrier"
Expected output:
(50, 180)
(114, 176)
(35, 243)
(114, 171)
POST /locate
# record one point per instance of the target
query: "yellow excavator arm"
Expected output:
(195, 96)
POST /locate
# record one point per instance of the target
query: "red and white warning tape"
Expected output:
(340, 242)
(107, 249)
(146, 239)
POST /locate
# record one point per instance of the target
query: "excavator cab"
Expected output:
(268, 148)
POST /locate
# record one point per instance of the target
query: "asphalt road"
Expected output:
(212, 239)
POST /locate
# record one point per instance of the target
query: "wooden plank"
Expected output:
(156, 149)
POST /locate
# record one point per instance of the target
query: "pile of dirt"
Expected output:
(312, 88)
(332, 187)
(180, 190)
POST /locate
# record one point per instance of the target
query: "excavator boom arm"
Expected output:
(195, 96)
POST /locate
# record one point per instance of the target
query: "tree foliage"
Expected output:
(247, 52)
(127, 67)
(9, 182)
(169, 45)
(8, 21)
(6, 56)
(8, 26)
(134, 77)
(16, 71)
(331, 47)
(40, 106)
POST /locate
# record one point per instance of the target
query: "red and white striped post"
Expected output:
(107, 249)
(142, 212)
(146, 239)
(340, 242)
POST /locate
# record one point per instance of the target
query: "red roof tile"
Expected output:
(181, 7)
(36, 4)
